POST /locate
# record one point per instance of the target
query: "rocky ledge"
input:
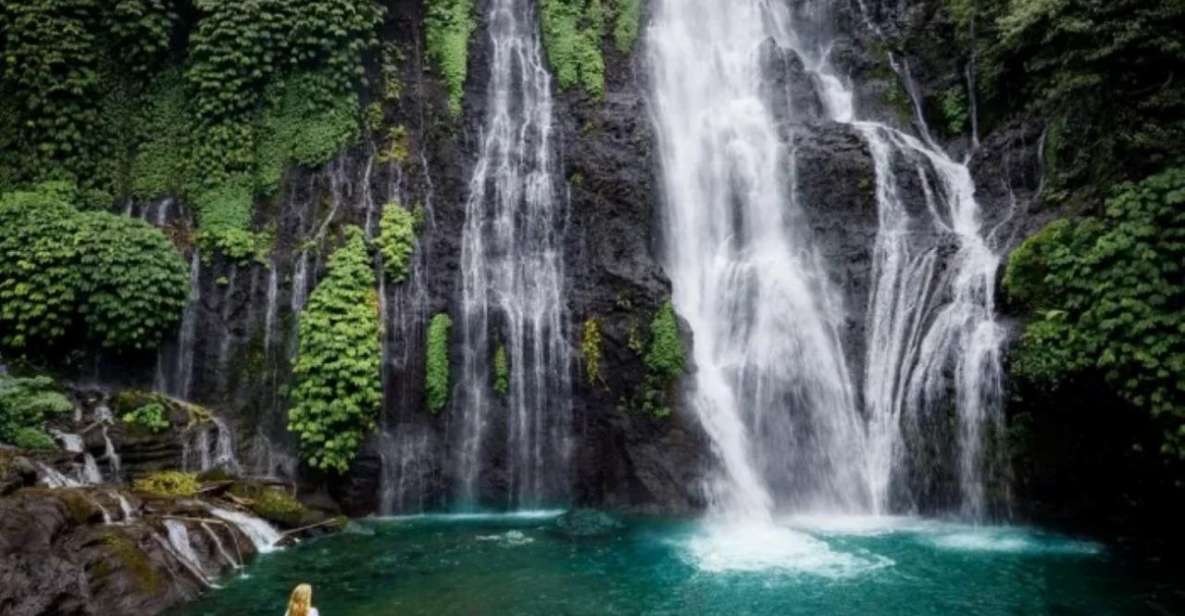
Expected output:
(106, 549)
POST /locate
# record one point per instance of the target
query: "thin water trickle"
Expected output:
(512, 274)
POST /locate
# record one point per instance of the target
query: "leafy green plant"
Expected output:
(665, 361)
(338, 388)
(397, 240)
(449, 24)
(590, 347)
(25, 404)
(572, 33)
(304, 122)
(665, 356)
(1107, 296)
(436, 377)
(626, 21)
(501, 371)
(150, 418)
(954, 110)
(173, 484)
(61, 269)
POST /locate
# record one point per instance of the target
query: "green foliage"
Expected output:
(954, 110)
(572, 33)
(149, 418)
(272, 504)
(590, 347)
(1106, 69)
(162, 162)
(664, 358)
(626, 22)
(25, 404)
(1108, 295)
(338, 387)
(501, 371)
(449, 24)
(436, 377)
(61, 268)
(397, 240)
(173, 484)
(305, 123)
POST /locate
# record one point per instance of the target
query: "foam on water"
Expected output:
(772, 548)
(479, 516)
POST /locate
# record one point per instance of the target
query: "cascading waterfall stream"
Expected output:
(772, 387)
(512, 269)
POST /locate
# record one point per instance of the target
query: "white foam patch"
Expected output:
(1008, 540)
(510, 538)
(859, 525)
(539, 514)
(767, 547)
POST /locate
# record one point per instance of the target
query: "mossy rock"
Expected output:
(275, 505)
(126, 552)
(172, 484)
(79, 505)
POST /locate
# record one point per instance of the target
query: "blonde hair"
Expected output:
(302, 598)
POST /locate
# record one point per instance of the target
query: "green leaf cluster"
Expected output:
(436, 376)
(62, 269)
(338, 390)
(501, 371)
(572, 33)
(590, 348)
(151, 417)
(57, 58)
(173, 484)
(664, 356)
(207, 101)
(449, 24)
(397, 240)
(1109, 298)
(25, 404)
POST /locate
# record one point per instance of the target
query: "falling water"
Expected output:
(772, 387)
(512, 265)
(262, 535)
(182, 382)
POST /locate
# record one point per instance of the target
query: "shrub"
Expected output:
(338, 387)
(572, 33)
(397, 240)
(1107, 296)
(627, 18)
(436, 385)
(664, 362)
(449, 25)
(60, 268)
(277, 506)
(168, 483)
(151, 417)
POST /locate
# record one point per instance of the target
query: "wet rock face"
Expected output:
(58, 556)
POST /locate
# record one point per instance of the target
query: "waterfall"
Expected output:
(262, 536)
(772, 387)
(512, 274)
(181, 384)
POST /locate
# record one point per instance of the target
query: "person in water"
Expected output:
(301, 603)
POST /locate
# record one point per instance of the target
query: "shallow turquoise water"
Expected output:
(521, 565)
